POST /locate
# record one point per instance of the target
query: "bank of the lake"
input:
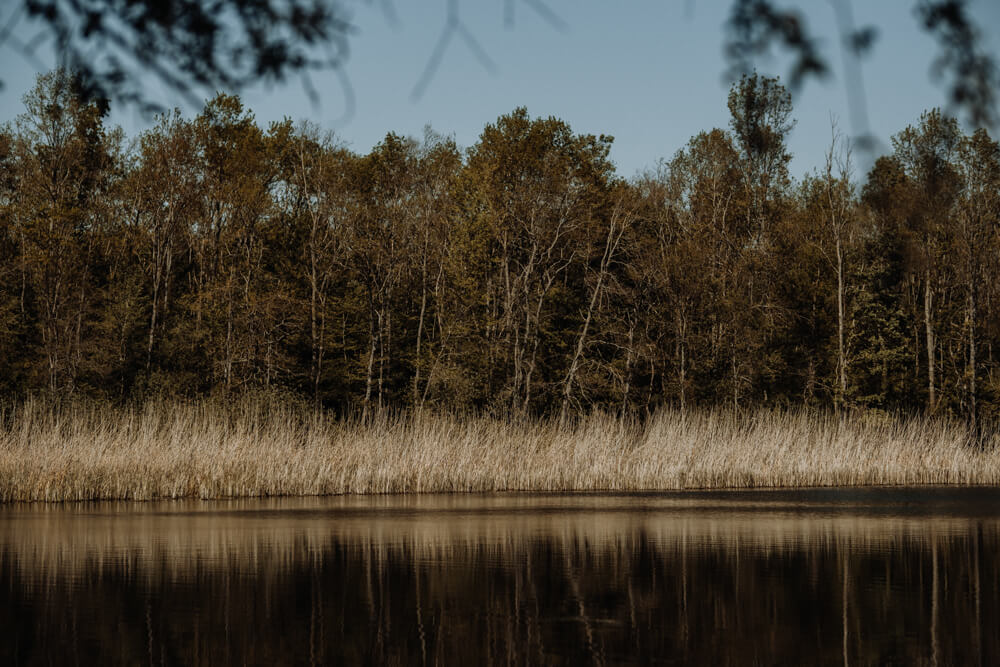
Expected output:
(250, 448)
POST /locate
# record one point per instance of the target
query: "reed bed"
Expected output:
(260, 448)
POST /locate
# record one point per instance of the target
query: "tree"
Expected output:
(927, 154)
(318, 183)
(886, 336)
(836, 237)
(236, 316)
(522, 277)
(978, 217)
(619, 223)
(706, 276)
(438, 167)
(537, 186)
(755, 26)
(760, 110)
(11, 315)
(62, 163)
(382, 227)
(166, 187)
(684, 259)
(760, 118)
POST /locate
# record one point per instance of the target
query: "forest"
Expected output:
(210, 256)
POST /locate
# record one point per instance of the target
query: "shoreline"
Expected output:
(258, 449)
(521, 493)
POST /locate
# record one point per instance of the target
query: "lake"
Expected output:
(819, 576)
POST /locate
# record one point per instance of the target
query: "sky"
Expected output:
(648, 72)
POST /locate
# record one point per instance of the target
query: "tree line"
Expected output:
(521, 275)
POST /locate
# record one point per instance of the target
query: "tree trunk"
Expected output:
(736, 380)
(614, 236)
(417, 362)
(320, 354)
(153, 314)
(442, 337)
(381, 357)
(628, 367)
(929, 328)
(369, 374)
(682, 361)
(842, 362)
(535, 326)
(313, 324)
(578, 353)
(649, 389)
(841, 358)
(973, 406)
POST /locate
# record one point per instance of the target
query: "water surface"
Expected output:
(832, 576)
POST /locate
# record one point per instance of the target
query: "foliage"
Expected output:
(212, 256)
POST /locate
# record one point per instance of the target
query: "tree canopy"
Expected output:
(523, 275)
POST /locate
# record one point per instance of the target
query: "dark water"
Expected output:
(904, 576)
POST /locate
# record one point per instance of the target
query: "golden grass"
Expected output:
(259, 448)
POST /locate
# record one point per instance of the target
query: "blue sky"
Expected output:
(648, 72)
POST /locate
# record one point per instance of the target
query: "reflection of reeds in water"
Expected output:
(172, 450)
(499, 580)
(175, 542)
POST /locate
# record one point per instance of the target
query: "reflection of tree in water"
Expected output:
(850, 591)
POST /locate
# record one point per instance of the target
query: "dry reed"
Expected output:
(260, 448)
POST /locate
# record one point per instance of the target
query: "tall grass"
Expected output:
(261, 448)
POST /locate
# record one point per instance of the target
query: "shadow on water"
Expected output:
(842, 576)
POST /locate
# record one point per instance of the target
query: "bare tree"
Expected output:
(839, 218)
(619, 223)
(978, 217)
(319, 180)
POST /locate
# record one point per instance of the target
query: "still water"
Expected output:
(838, 576)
